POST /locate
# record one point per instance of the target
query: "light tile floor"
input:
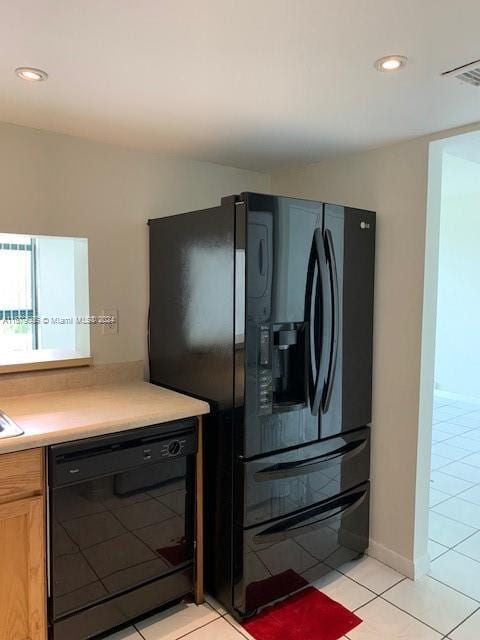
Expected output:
(455, 517)
(392, 608)
(443, 605)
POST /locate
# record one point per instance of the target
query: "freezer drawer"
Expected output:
(278, 485)
(274, 560)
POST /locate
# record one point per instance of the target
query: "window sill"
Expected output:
(44, 359)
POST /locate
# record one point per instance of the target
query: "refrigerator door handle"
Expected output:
(305, 467)
(310, 317)
(312, 519)
(322, 369)
(332, 263)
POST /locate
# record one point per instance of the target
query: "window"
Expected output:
(44, 300)
(17, 332)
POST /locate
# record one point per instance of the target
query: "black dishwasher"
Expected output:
(121, 527)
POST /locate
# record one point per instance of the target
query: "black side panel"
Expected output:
(191, 303)
(218, 450)
(192, 329)
(358, 317)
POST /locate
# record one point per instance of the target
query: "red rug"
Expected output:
(307, 615)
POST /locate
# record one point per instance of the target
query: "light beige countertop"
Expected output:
(61, 416)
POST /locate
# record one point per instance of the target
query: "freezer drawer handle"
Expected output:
(310, 521)
(304, 467)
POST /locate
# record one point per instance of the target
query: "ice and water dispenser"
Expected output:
(283, 367)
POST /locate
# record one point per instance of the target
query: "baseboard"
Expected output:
(421, 566)
(412, 569)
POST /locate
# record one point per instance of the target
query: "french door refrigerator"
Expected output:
(263, 306)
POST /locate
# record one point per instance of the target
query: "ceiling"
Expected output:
(249, 83)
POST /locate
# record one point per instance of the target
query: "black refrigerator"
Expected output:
(263, 306)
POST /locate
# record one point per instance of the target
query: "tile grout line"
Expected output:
(241, 633)
(393, 586)
(463, 622)
(437, 426)
(183, 635)
(452, 461)
(447, 549)
(453, 520)
(460, 553)
(139, 632)
(455, 545)
(451, 420)
(418, 619)
(380, 597)
(472, 466)
(364, 604)
(454, 588)
(465, 434)
(368, 588)
(441, 501)
(451, 436)
(459, 495)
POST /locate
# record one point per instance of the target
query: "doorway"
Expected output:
(450, 394)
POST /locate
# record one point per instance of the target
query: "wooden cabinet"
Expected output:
(22, 547)
(21, 475)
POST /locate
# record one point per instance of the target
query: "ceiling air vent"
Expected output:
(469, 73)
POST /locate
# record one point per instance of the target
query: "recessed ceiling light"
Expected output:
(31, 74)
(390, 63)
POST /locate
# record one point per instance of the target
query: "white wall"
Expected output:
(56, 292)
(457, 364)
(53, 184)
(62, 293)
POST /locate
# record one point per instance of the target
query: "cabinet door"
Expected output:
(22, 570)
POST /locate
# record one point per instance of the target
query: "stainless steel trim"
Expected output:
(8, 428)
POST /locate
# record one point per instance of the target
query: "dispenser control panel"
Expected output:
(264, 371)
(264, 347)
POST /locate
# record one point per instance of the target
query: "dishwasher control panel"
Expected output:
(101, 456)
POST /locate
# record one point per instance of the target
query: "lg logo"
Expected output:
(364, 225)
